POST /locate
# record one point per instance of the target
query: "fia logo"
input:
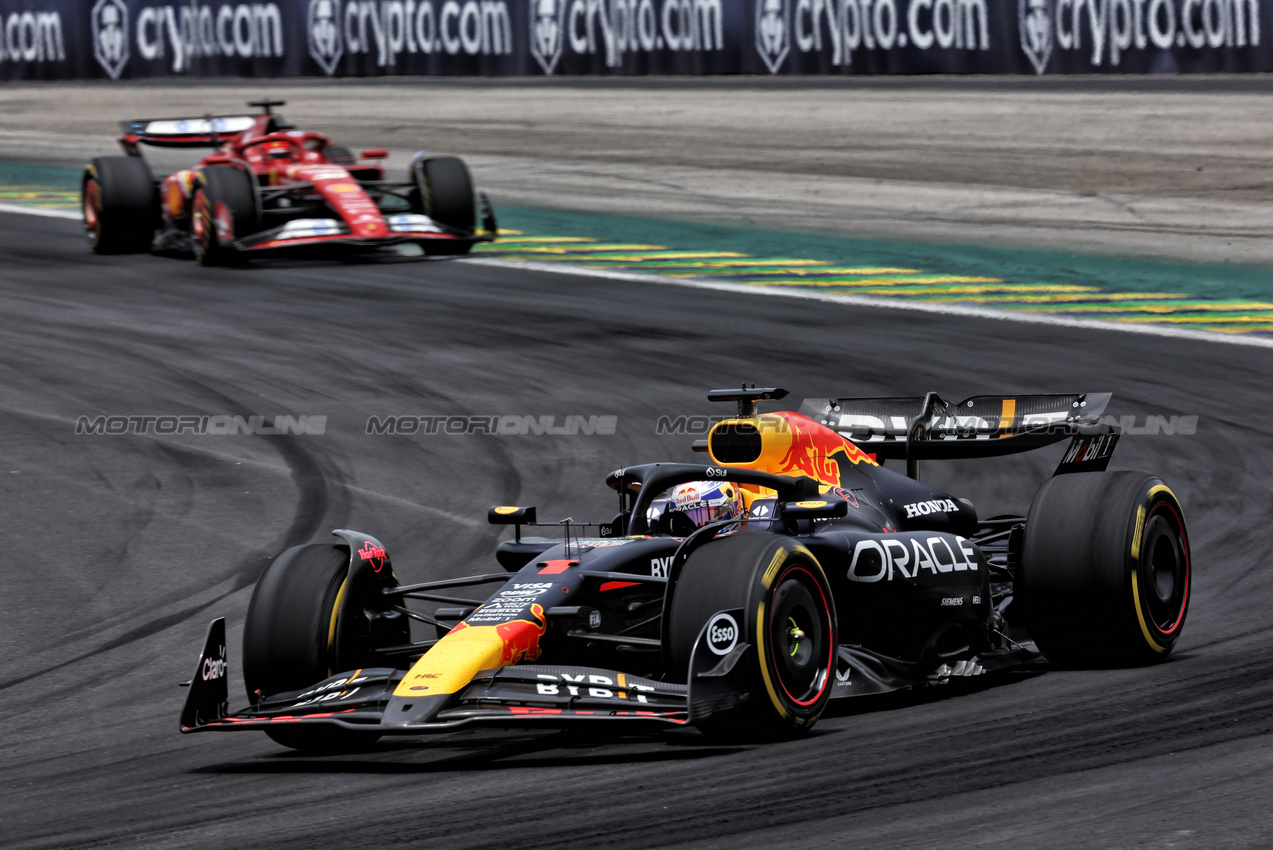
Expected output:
(547, 32)
(773, 32)
(109, 21)
(325, 45)
(1034, 18)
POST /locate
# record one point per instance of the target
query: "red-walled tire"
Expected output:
(789, 620)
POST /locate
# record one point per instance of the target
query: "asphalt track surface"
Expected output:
(1148, 167)
(122, 548)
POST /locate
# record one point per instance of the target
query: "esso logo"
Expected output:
(214, 668)
(722, 634)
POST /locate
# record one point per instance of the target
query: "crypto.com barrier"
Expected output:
(122, 39)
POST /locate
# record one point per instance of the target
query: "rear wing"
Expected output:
(208, 131)
(931, 428)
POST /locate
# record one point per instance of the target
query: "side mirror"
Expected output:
(375, 153)
(510, 515)
(815, 509)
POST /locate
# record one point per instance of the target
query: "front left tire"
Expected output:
(234, 189)
(291, 638)
(789, 620)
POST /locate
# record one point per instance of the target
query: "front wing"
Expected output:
(540, 695)
(403, 228)
(526, 695)
(507, 697)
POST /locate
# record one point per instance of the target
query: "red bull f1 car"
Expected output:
(269, 188)
(839, 577)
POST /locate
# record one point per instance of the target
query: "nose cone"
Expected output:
(406, 712)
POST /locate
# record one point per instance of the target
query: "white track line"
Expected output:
(889, 303)
(24, 210)
(825, 297)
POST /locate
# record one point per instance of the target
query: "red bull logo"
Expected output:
(521, 637)
(812, 449)
(467, 649)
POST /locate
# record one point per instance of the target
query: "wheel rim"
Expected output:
(1164, 568)
(92, 210)
(201, 222)
(800, 641)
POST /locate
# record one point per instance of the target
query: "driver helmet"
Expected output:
(278, 150)
(707, 501)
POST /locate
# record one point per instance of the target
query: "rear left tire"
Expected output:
(119, 205)
(1105, 569)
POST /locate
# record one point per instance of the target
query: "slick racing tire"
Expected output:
(119, 204)
(1105, 569)
(444, 192)
(234, 188)
(789, 621)
(289, 637)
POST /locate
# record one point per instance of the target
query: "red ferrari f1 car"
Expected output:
(268, 187)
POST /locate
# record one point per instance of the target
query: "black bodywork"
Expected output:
(923, 588)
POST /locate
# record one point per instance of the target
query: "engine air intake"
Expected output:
(735, 442)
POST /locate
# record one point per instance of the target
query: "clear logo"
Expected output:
(1034, 18)
(773, 32)
(323, 27)
(110, 36)
(547, 32)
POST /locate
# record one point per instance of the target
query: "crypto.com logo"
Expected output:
(1034, 17)
(548, 32)
(109, 21)
(773, 32)
(323, 28)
